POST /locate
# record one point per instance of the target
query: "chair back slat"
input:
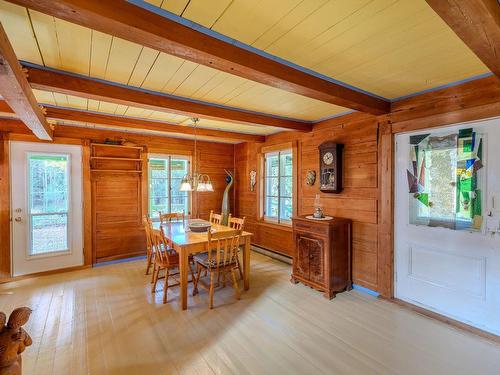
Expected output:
(148, 227)
(236, 222)
(222, 247)
(215, 218)
(170, 217)
(161, 246)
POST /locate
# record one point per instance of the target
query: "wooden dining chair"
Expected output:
(239, 224)
(173, 216)
(165, 258)
(148, 227)
(215, 218)
(219, 259)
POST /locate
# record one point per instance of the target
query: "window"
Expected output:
(48, 176)
(165, 175)
(278, 186)
(445, 179)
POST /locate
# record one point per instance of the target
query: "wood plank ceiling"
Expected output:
(390, 48)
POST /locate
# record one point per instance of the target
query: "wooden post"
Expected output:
(385, 255)
(5, 271)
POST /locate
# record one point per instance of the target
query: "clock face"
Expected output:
(328, 158)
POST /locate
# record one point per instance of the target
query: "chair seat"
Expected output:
(202, 259)
(173, 259)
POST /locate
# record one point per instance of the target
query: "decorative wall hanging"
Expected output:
(444, 179)
(225, 197)
(310, 177)
(253, 175)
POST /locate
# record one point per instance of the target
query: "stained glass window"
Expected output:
(444, 179)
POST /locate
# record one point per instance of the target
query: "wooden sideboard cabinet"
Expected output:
(322, 254)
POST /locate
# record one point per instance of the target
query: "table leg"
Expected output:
(183, 270)
(246, 264)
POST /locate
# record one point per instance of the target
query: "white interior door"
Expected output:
(46, 193)
(453, 272)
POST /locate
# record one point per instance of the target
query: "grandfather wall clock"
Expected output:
(330, 167)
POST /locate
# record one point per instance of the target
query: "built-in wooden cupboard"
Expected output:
(117, 201)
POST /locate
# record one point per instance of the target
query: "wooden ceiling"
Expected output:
(48, 41)
(388, 48)
(391, 48)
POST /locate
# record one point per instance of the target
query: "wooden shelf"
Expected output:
(115, 170)
(113, 158)
(107, 145)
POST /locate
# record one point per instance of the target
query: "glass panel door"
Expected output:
(48, 179)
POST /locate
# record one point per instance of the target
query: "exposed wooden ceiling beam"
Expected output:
(130, 22)
(134, 123)
(57, 113)
(16, 91)
(477, 23)
(71, 84)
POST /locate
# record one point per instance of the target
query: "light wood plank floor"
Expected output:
(105, 321)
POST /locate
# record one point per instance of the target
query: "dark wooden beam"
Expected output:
(134, 123)
(16, 91)
(477, 23)
(130, 22)
(57, 113)
(71, 84)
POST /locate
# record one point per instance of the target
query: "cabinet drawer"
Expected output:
(306, 227)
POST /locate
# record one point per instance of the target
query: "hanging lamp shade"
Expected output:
(186, 184)
(196, 181)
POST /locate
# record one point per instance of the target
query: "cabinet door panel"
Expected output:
(316, 260)
(302, 253)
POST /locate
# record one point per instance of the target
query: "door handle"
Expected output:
(18, 219)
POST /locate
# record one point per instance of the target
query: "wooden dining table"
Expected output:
(186, 242)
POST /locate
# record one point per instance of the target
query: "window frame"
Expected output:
(168, 158)
(289, 147)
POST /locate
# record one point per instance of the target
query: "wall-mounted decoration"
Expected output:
(330, 167)
(444, 179)
(253, 176)
(225, 197)
(310, 177)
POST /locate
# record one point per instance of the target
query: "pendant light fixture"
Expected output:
(196, 182)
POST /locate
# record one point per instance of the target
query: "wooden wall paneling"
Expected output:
(144, 183)
(469, 101)
(213, 160)
(449, 118)
(5, 266)
(368, 168)
(385, 260)
(357, 202)
(215, 157)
